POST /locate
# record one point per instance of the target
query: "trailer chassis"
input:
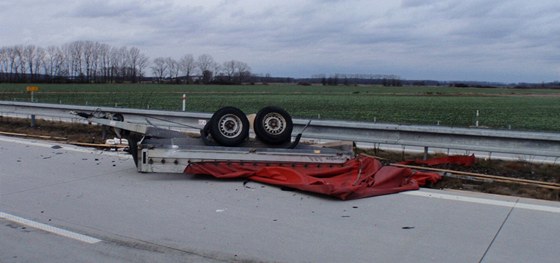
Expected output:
(157, 150)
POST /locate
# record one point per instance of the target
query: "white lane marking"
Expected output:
(64, 147)
(50, 229)
(543, 208)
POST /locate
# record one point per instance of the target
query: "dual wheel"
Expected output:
(229, 126)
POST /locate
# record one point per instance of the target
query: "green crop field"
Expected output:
(501, 108)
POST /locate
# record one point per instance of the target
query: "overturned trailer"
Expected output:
(225, 149)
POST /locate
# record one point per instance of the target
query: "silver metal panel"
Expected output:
(165, 160)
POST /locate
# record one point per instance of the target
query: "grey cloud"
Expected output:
(358, 36)
(102, 9)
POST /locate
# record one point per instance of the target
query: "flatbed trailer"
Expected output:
(158, 150)
(224, 149)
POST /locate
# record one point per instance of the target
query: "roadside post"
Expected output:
(32, 90)
(184, 102)
(477, 115)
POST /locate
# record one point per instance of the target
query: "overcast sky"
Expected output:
(498, 40)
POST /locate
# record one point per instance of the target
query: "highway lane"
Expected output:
(181, 218)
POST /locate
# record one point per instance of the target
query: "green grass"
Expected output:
(502, 108)
(273, 88)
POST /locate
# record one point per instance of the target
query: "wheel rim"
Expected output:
(274, 123)
(230, 126)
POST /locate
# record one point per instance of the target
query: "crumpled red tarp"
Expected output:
(363, 176)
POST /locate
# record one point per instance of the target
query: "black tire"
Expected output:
(229, 126)
(273, 125)
(205, 135)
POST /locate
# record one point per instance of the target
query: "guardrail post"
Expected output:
(425, 153)
(33, 122)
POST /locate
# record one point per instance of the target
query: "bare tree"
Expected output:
(21, 59)
(173, 69)
(14, 57)
(229, 69)
(90, 54)
(39, 61)
(8, 58)
(137, 62)
(105, 61)
(187, 65)
(207, 67)
(118, 64)
(75, 52)
(28, 57)
(159, 68)
(3, 63)
(55, 63)
(50, 61)
(205, 62)
(236, 71)
(142, 64)
(243, 72)
(124, 64)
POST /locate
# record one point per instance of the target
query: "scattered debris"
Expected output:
(245, 184)
(117, 141)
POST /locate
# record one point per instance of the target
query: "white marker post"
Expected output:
(477, 114)
(184, 102)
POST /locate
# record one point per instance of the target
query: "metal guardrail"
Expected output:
(544, 144)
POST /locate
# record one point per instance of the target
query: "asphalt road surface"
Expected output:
(60, 203)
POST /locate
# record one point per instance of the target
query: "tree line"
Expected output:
(356, 79)
(94, 62)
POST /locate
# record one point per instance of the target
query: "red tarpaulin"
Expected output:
(363, 176)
